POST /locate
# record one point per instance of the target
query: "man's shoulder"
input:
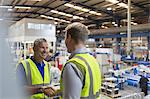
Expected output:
(76, 67)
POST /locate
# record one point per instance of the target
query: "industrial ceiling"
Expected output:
(94, 13)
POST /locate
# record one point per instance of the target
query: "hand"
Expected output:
(31, 90)
(49, 91)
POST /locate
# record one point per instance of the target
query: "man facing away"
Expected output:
(81, 76)
(34, 72)
(144, 84)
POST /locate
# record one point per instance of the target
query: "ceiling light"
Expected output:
(81, 9)
(61, 13)
(48, 17)
(92, 12)
(113, 22)
(43, 16)
(132, 18)
(55, 22)
(77, 7)
(133, 23)
(123, 5)
(105, 27)
(22, 7)
(1, 19)
(10, 9)
(109, 9)
(65, 14)
(69, 15)
(75, 17)
(85, 10)
(68, 22)
(98, 14)
(102, 26)
(81, 18)
(64, 21)
(113, 1)
(7, 7)
(57, 19)
(54, 11)
(58, 31)
(69, 5)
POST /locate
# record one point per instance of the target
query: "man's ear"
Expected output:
(69, 37)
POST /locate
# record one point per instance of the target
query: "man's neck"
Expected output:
(79, 46)
(77, 49)
(37, 59)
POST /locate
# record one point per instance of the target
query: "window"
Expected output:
(39, 26)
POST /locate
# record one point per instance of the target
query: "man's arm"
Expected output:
(21, 76)
(72, 82)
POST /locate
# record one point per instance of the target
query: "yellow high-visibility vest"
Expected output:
(34, 77)
(91, 88)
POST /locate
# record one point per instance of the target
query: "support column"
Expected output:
(129, 27)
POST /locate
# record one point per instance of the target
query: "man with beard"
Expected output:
(34, 72)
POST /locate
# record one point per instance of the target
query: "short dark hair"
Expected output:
(78, 31)
(39, 41)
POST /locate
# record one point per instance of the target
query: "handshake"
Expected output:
(47, 90)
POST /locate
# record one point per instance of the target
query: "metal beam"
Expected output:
(103, 11)
(146, 10)
(136, 34)
(140, 27)
(44, 7)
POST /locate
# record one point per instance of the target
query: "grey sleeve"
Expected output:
(21, 75)
(72, 82)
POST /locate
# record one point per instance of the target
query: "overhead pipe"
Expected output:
(140, 27)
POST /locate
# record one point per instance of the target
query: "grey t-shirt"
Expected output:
(73, 79)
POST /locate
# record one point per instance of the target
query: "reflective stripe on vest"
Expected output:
(91, 95)
(29, 80)
(91, 89)
(30, 68)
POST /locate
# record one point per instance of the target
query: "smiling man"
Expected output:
(34, 72)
